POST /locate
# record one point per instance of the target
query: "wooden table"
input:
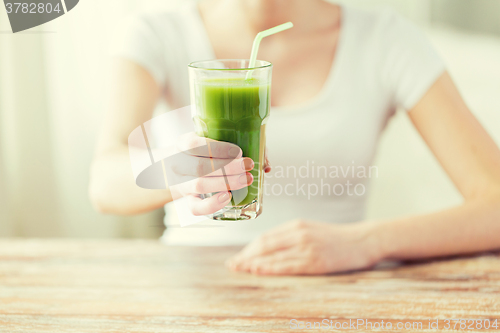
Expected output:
(143, 286)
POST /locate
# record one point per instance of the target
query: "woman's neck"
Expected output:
(265, 14)
(306, 15)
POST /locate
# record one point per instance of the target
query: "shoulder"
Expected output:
(398, 52)
(384, 32)
(153, 21)
(158, 22)
(149, 39)
(382, 23)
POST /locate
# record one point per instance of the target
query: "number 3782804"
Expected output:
(32, 8)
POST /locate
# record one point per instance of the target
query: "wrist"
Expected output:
(376, 237)
(383, 233)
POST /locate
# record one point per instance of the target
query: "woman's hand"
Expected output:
(204, 166)
(307, 248)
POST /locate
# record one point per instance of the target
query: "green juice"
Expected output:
(235, 110)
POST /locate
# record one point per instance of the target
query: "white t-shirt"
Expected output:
(321, 151)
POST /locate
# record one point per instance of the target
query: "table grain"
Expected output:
(143, 286)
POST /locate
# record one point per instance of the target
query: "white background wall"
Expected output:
(52, 100)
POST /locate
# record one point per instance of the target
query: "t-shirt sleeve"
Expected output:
(137, 40)
(411, 64)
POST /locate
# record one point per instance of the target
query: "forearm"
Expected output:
(472, 227)
(113, 189)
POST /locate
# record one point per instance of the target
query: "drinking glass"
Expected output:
(230, 102)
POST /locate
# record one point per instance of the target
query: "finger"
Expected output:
(203, 185)
(288, 262)
(210, 205)
(257, 263)
(267, 164)
(279, 234)
(195, 145)
(288, 267)
(266, 245)
(189, 165)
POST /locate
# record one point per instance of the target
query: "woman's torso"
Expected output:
(321, 150)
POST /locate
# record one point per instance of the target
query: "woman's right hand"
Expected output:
(204, 166)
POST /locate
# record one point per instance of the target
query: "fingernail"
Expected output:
(233, 152)
(247, 164)
(267, 169)
(223, 197)
(246, 179)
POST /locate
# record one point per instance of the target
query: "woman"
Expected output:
(338, 76)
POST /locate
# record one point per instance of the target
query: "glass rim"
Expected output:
(194, 65)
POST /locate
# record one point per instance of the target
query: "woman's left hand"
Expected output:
(307, 248)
